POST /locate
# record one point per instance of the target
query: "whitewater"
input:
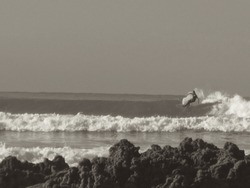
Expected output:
(34, 136)
(228, 114)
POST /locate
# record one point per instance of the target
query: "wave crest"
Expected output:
(235, 106)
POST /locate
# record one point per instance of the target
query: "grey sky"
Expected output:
(127, 46)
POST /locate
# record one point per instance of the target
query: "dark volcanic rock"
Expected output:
(234, 151)
(15, 174)
(120, 157)
(11, 163)
(194, 164)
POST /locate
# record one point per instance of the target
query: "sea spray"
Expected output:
(230, 106)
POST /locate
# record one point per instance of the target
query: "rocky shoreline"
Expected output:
(193, 164)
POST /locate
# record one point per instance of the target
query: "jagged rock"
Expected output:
(194, 164)
(85, 173)
(189, 145)
(234, 151)
(11, 163)
(59, 163)
(101, 173)
(220, 171)
(186, 145)
(120, 156)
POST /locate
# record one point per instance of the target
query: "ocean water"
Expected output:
(38, 125)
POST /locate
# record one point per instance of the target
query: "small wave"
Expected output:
(36, 154)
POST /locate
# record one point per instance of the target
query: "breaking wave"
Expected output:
(37, 154)
(53, 122)
(227, 114)
(79, 122)
(235, 106)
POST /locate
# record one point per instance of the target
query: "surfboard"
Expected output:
(186, 99)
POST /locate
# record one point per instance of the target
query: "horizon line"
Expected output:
(68, 92)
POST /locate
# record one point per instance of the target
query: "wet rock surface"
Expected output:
(194, 164)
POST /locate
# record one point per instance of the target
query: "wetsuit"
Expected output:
(192, 100)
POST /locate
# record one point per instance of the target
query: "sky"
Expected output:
(125, 46)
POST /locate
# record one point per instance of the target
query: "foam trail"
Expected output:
(36, 154)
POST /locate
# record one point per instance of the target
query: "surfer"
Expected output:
(190, 98)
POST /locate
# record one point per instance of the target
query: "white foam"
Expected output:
(79, 122)
(247, 152)
(36, 154)
(229, 114)
(230, 106)
(215, 97)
